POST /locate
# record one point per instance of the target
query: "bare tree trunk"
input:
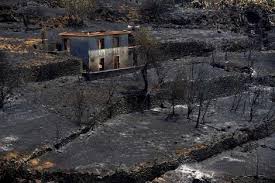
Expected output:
(257, 166)
(1, 103)
(244, 106)
(268, 117)
(110, 103)
(198, 118)
(110, 109)
(146, 84)
(251, 114)
(26, 22)
(2, 97)
(79, 106)
(205, 110)
(213, 57)
(192, 72)
(200, 108)
(190, 97)
(145, 77)
(253, 104)
(249, 57)
(233, 103)
(189, 111)
(238, 102)
(173, 108)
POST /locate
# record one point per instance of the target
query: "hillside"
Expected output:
(137, 91)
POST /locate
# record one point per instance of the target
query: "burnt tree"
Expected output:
(176, 91)
(148, 49)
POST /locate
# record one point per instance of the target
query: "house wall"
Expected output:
(109, 53)
(79, 47)
(86, 48)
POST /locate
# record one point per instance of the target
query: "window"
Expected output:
(116, 62)
(116, 42)
(101, 64)
(101, 44)
(66, 43)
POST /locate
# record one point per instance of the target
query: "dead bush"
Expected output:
(154, 8)
(64, 21)
(79, 8)
(13, 171)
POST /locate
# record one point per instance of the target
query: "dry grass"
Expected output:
(17, 45)
(219, 3)
(39, 165)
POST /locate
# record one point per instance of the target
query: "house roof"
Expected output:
(93, 34)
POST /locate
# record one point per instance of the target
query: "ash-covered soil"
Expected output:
(130, 140)
(26, 126)
(139, 146)
(215, 37)
(251, 162)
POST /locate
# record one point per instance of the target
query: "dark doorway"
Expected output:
(101, 64)
(66, 44)
(116, 62)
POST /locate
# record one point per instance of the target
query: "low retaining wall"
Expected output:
(188, 48)
(109, 73)
(51, 70)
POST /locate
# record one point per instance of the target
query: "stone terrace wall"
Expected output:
(70, 66)
(110, 73)
(188, 48)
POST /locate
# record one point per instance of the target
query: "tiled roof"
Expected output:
(93, 34)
